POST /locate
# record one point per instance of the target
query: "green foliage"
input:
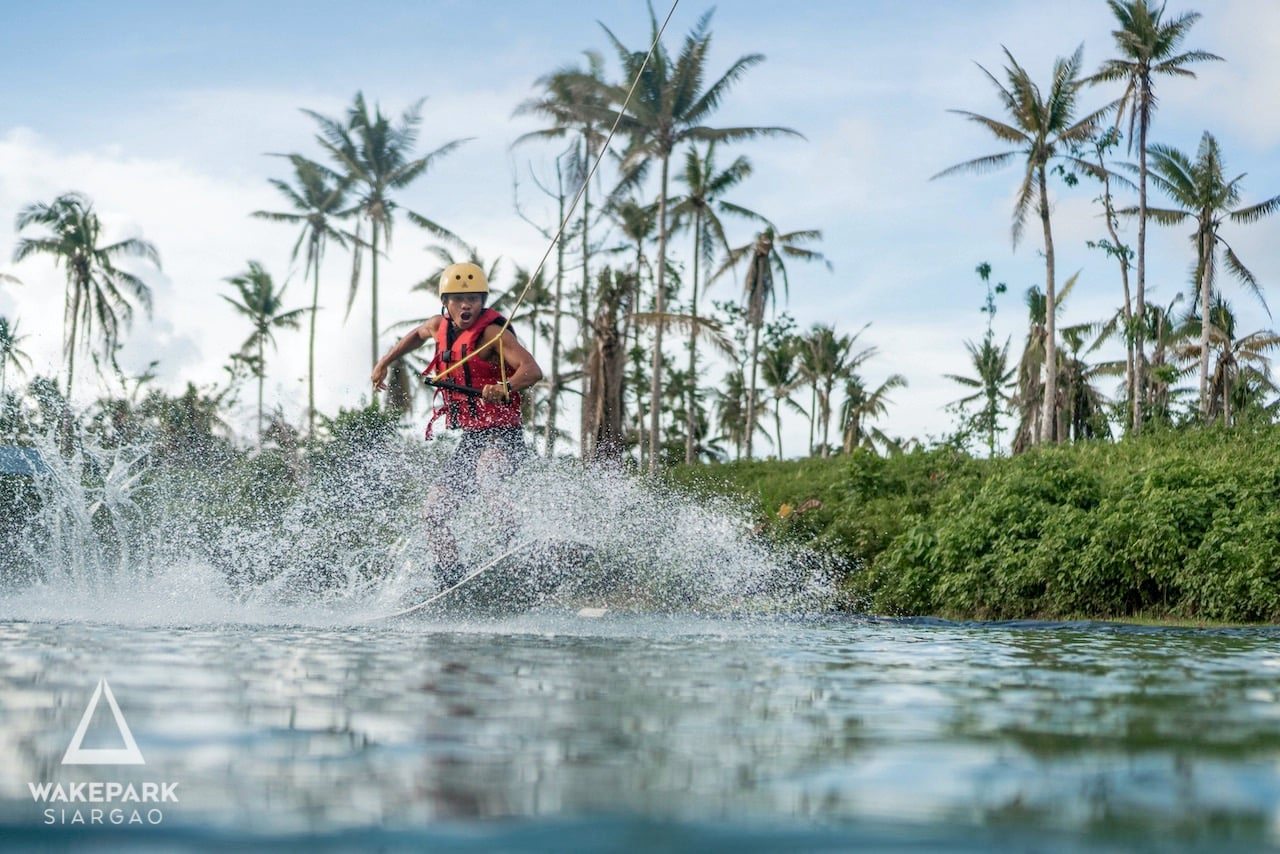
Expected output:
(1183, 525)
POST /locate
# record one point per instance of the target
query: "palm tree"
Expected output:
(861, 406)
(606, 374)
(10, 352)
(1124, 323)
(316, 200)
(574, 100)
(668, 109)
(1148, 47)
(1167, 336)
(263, 305)
(832, 359)
(764, 257)
(1031, 394)
(1241, 366)
(1204, 195)
(376, 159)
(992, 376)
(698, 211)
(1081, 406)
(1043, 128)
(731, 411)
(98, 292)
(780, 373)
(637, 223)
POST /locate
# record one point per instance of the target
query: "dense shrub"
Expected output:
(1183, 524)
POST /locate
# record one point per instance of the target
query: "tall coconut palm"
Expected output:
(316, 201)
(1204, 196)
(1149, 46)
(669, 108)
(99, 296)
(861, 406)
(574, 100)
(764, 257)
(1124, 323)
(376, 158)
(262, 303)
(11, 354)
(698, 210)
(1043, 126)
(636, 222)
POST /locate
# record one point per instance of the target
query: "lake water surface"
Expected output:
(554, 732)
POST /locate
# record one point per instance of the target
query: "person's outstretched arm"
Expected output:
(415, 339)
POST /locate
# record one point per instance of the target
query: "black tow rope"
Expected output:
(448, 386)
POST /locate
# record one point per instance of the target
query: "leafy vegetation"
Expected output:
(1181, 524)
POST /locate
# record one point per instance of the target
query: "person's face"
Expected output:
(463, 308)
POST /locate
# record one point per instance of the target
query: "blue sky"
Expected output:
(163, 113)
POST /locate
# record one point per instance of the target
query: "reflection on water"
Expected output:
(859, 729)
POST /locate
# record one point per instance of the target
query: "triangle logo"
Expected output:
(127, 755)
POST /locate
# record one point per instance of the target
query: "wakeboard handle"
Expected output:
(448, 386)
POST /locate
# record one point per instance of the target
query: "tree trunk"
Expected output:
(608, 373)
(553, 393)
(1130, 380)
(693, 341)
(655, 382)
(1139, 346)
(262, 375)
(1050, 406)
(631, 340)
(777, 423)
(77, 289)
(311, 344)
(586, 428)
(1205, 245)
(824, 409)
(751, 389)
(813, 413)
(1226, 392)
(373, 318)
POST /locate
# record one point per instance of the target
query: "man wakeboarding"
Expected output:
(478, 370)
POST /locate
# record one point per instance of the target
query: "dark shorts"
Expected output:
(482, 458)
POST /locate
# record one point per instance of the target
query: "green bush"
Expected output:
(1177, 524)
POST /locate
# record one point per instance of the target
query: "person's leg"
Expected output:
(450, 488)
(503, 454)
(440, 542)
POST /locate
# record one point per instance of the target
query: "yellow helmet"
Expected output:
(463, 278)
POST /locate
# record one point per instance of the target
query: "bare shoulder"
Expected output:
(493, 330)
(430, 327)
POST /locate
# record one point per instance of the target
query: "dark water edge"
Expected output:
(625, 833)
(1087, 624)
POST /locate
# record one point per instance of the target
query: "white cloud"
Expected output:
(184, 167)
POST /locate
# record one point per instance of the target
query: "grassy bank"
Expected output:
(1182, 526)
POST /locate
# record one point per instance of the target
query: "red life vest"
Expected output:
(463, 411)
